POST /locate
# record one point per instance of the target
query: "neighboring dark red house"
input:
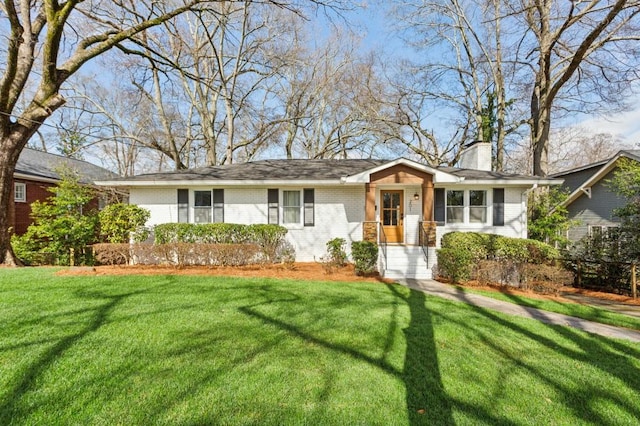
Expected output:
(35, 172)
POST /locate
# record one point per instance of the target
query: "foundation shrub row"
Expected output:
(213, 244)
(495, 259)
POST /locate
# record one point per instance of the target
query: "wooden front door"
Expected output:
(392, 215)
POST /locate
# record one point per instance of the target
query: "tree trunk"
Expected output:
(540, 128)
(11, 148)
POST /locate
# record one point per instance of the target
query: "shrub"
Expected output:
(261, 242)
(455, 264)
(490, 258)
(365, 257)
(335, 249)
(270, 239)
(118, 222)
(62, 224)
(547, 279)
(112, 253)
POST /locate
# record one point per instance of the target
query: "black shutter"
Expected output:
(498, 206)
(183, 205)
(272, 200)
(218, 205)
(309, 201)
(438, 210)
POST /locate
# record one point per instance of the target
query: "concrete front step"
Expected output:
(399, 274)
(405, 262)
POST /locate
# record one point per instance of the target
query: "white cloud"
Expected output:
(625, 125)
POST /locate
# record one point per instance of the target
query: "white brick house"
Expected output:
(402, 205)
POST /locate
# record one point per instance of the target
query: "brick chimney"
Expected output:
(476, 156)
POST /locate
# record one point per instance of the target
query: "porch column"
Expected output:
(428, 225)
(427, 201)
(370, 202)
(370, 226)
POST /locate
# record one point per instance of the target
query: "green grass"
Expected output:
(207, 350)
(590, 313)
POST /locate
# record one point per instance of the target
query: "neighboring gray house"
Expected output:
(591, 201)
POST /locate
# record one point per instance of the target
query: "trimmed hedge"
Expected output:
(213, 244)
(461, 252)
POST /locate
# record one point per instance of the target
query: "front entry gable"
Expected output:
(402, 170)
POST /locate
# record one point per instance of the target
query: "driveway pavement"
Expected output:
(446, 291)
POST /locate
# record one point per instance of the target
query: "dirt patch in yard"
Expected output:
(313, 271)
(297, 271)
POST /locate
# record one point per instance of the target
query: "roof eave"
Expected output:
(217, 182)
(610, 165)
(513, 182)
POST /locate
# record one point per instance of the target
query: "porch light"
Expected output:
(416, 196)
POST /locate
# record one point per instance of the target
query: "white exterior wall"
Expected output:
(515, 215)
(339, 212)
(161, 202)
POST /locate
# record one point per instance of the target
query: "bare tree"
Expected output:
(570, 148)
(329, 98)
(458, 79)
(581, 53)
(47, 42)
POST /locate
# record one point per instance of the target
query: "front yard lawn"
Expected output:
(211, 350)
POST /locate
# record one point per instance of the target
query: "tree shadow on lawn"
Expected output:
(10, 408)
(607, 355)
(426, 399)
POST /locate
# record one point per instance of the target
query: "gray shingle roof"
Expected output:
(39, 164)
(299, 169)
(270, 169)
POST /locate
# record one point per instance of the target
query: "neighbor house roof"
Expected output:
(44, 166)
(316, 172)
(600, 170)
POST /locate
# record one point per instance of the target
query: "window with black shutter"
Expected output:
(218, 205)
(183, 205)
(498, 206)
(439, 205)
(272, 201)
(309, 209)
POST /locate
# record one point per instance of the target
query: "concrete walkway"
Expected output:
(611, 305)
(446, 291)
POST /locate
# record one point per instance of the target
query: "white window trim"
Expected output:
(196, 208)
(466, 206)
(281, 206)
(22, 199)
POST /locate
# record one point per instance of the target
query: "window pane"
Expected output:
(291, 207)
(455, 198)
(291, 198)
(202, 206)
(477, 214)
(203, 198)
(386, 200)
(202, 215)
(455, 214)
(19, 192)
(477, 198)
